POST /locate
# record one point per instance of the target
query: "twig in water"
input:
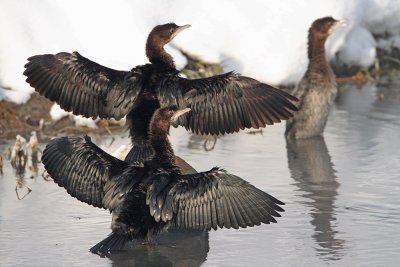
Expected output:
(207, 148)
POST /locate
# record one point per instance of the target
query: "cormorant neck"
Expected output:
(164, 154)
(156, 53)
(316, 50)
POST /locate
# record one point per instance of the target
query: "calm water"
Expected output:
(342, 196)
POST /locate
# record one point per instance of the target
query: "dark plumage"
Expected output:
(221, 104)
(147, 199)
(317, 89)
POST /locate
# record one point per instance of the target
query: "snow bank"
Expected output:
(265, 39)
(56, 113)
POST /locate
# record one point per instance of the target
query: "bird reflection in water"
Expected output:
(174, 248)
(311, 167)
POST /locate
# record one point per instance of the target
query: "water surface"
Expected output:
(341, 194)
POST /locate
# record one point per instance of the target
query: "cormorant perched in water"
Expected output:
(220, 104)
(147, 199)
(317, 89)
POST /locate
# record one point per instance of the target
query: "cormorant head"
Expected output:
(163, 117)
(158, 37)
(323, 27)
(166, 32)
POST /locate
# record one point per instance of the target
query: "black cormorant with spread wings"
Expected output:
(220, 104)
(147, 199)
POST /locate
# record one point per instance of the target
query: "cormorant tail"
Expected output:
(112, 243)
(140, 153)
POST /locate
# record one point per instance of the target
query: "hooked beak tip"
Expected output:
(185, 26)
(342, 23)
(178, 30)
(181, 28)
(179, 113)
(338, 24)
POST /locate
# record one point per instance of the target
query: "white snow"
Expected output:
(56, 113)
(264, 39)
(82, 121)
(355, 53)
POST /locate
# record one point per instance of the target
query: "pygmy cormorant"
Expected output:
(317, 89)
(220, 104)
(147, 199)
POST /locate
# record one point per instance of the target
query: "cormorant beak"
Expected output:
(179, 29)
(338, 24)
(178, 113)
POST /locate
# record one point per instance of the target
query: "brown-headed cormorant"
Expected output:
(220, 104)
(317, 89)
(147, 199)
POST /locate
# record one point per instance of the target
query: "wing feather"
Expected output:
(226, 103)
(88, 173)
(212, 199)
(82, 86)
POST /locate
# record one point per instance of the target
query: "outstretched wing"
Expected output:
(226, 103)
(88, 173)
(82, 86)
(210, 200)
